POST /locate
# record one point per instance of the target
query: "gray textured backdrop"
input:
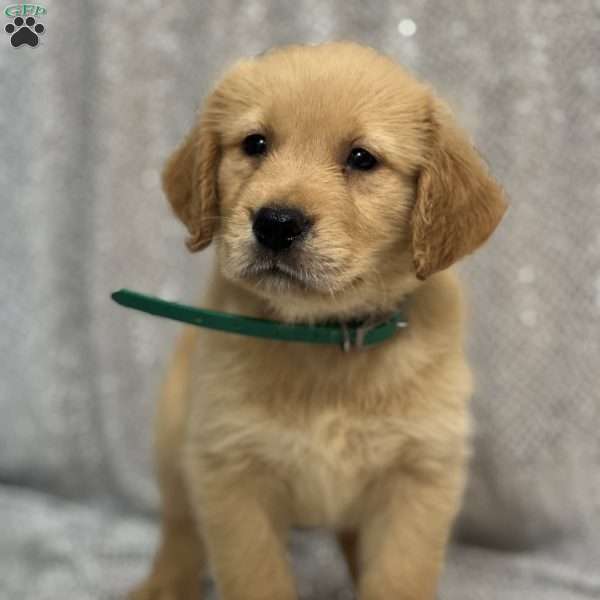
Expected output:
(86, 120)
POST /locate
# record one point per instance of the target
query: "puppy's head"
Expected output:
(330, 180)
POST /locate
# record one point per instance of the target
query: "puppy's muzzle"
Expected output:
(277, 227)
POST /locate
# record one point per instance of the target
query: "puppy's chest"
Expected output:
(331, 460)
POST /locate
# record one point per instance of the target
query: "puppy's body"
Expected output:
(257, 436)
(328, 425)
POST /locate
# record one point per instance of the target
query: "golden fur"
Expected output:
(256, 436)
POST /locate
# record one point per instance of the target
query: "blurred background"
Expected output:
(87, 119)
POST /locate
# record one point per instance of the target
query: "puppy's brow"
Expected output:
(240, 126)
(389, 146)
(373, 139)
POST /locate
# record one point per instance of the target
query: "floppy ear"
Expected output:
(189, 182)
(458, 204)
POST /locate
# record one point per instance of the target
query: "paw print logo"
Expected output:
(24, 32)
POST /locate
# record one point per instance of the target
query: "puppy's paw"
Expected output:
(183, 587)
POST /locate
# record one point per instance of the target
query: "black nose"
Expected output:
(277, 228)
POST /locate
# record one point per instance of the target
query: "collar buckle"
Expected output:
(357, 342)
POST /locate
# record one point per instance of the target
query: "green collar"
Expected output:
(346, 335)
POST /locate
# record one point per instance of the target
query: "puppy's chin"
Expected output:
(311, 289)
(289, 299)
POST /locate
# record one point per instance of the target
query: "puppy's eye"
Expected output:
(254, 144)
(361, 159)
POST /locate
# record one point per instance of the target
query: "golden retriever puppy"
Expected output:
(336, 188)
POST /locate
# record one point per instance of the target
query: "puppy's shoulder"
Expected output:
(438, 306)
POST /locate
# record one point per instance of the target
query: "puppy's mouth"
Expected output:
(291, 272)
(277, 273)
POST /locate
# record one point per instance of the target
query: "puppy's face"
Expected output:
(330, 181)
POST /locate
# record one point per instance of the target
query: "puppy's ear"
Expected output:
(189, 182)
(458, 204)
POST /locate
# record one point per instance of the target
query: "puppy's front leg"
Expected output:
(404, 534)
(244, 525)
